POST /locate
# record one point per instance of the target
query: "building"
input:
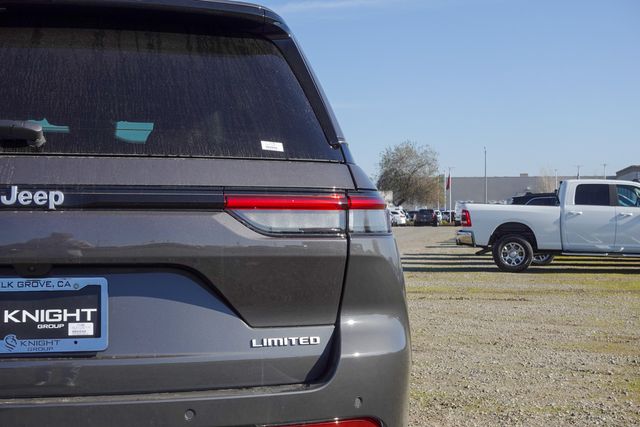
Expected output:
(629, 173)
(500, 189)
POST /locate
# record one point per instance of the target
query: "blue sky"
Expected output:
(543, 84)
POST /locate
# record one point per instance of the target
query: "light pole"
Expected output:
(604, 170)
(578, 176)
(450, 185)
(438, 191)
(486, 197)
(444, 187)
(556, 172)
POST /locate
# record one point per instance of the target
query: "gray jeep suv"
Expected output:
(185, 239)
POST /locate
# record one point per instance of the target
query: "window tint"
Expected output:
(592, 194)
(628, 196)
(156, 93)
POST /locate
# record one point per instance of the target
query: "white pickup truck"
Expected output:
(595, 217)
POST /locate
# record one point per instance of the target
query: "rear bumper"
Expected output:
(368, 378)
(370, 381)
(465, 238)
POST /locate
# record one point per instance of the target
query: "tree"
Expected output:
(411, 172)
(546, 181)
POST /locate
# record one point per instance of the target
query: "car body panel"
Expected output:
(373, 338)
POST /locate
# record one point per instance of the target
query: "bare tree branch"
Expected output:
(408, 170)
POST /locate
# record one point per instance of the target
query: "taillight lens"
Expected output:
(345, 423)
(465, 219)
(368, 214)
(310, 214)
(323, 202)
(291, 213)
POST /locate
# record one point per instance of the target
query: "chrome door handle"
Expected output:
(626, 213)
(575, 212)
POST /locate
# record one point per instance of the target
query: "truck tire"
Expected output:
(512, 253)
(542, 259)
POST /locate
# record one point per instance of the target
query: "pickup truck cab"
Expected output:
(595, 217)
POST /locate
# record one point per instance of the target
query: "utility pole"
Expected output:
(486, 197)
(450, 185)
(578, 176)
(556, 172)
(438, 191)
(444, 187)
(604, 170)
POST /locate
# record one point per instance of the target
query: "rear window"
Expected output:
(123, 92)
(592, 194)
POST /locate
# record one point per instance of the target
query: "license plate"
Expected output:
(53, 315)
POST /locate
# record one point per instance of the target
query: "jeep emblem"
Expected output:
(51, 199)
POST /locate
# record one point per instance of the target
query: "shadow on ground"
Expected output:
(471, 263)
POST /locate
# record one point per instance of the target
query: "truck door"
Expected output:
(589, 224)
(628, 219)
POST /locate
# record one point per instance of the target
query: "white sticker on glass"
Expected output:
(272, 146)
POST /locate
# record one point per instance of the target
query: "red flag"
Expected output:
(448, 182)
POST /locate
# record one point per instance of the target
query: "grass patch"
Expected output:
(491, 284)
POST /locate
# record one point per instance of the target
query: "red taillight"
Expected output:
(346, 423)
(325, 202)
(368, 214)
(310, 213)
(465, 218)
(366, 202)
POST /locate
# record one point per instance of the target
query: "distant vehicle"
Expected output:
(536, 199)
(594, 217)
(411, 216)
(426, 217)
(397, 216)
(449, 216)
(458, 211)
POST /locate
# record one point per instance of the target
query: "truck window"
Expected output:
(592, 194)
(628, 196)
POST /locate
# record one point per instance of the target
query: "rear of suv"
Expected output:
(185, 237)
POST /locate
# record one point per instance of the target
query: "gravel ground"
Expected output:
(558, 345)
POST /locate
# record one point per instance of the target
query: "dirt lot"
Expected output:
(558, 345)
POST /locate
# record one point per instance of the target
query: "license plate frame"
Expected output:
(63, 315)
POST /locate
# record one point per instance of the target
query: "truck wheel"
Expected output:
(542, 259)
(513, 253)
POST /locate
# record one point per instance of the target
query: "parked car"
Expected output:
(411, 216)
(449, 216)
(595, 217)
(161, 264)
(398, 217)
(427, 217)
(459, 206)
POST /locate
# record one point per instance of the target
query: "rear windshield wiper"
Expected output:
(20, 130)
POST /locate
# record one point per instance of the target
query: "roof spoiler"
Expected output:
(251, 18)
